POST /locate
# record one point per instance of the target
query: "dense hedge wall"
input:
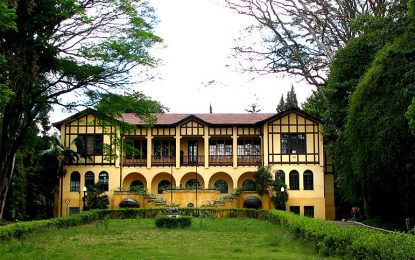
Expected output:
(326, 237)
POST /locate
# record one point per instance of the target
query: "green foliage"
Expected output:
(290, 101)
(208, 239)
(410, 116)
(368, 165)
(32, 191)
(139, 189)
(281, 105)
(51, 48)
(263, 180)
(22, 229)
(95, 198)
(264, 184)
(109, 108)
(5, 95)
(377, 132)
(7, 17)
(329, 238)
(167, 222)
(279, 198)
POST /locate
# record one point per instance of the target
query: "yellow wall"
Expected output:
(184, 197)
(321, 197)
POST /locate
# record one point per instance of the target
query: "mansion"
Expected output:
(196, 160)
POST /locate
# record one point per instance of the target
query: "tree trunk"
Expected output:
(7, 160)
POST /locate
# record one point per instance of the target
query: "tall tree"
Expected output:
(377, 131)
(289, 102)
(281, 105)
(65, 46)
(300, 37)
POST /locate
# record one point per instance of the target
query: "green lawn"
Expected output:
(226, 238)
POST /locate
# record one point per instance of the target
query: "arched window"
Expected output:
(248, 185)
(136, 185)
(193, 183)
(89, 179)
(75, 181)
(190, 205)
(280, 175)
(164, 184)
(221, 185)
(294, 180)
(103, 180)
(308, 180)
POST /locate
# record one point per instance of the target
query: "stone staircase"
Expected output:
(222, 200)
(156, 199)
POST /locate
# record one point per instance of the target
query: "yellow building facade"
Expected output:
(204, 157)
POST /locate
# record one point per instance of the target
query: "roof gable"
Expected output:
(295, 110)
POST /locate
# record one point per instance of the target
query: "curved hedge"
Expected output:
(351, 242)
(326, 237)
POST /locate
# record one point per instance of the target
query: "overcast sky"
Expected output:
(198, 37)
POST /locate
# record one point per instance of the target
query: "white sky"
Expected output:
(198, 37)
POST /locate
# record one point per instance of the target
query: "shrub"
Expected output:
(167, 222)
(351, 242)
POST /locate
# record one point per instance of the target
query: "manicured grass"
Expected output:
(226, 238)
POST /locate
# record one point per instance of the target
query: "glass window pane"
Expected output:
(294, 180)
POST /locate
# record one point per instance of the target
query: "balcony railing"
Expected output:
(192, 160)
(163, 160)
(220, 160)
(249, 160)
(134, 161)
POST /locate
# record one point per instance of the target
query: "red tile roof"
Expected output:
(217, 119)
(213, 119)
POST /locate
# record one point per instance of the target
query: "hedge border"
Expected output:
(326, 237)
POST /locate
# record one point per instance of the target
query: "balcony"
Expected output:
(220, 160)
(249, 160)
(163, 160)
(134, 162)
(192, 160)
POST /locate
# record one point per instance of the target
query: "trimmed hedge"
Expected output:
(350, 242)
(167, 222)
(21, 229)
(326, 237)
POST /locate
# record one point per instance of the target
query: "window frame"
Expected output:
(164, 148)
(138, 149)
(294, 183)
(280, 174)
(87, 181)
(74, 210)
(94, 140)
(308, 210)
(73, 186)
(220, 147)
(292, 144)
(104, 182)
(251, 181)
(164, 183)
(197, 182)
(224, 188)
(295, 210)
(308, 180)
